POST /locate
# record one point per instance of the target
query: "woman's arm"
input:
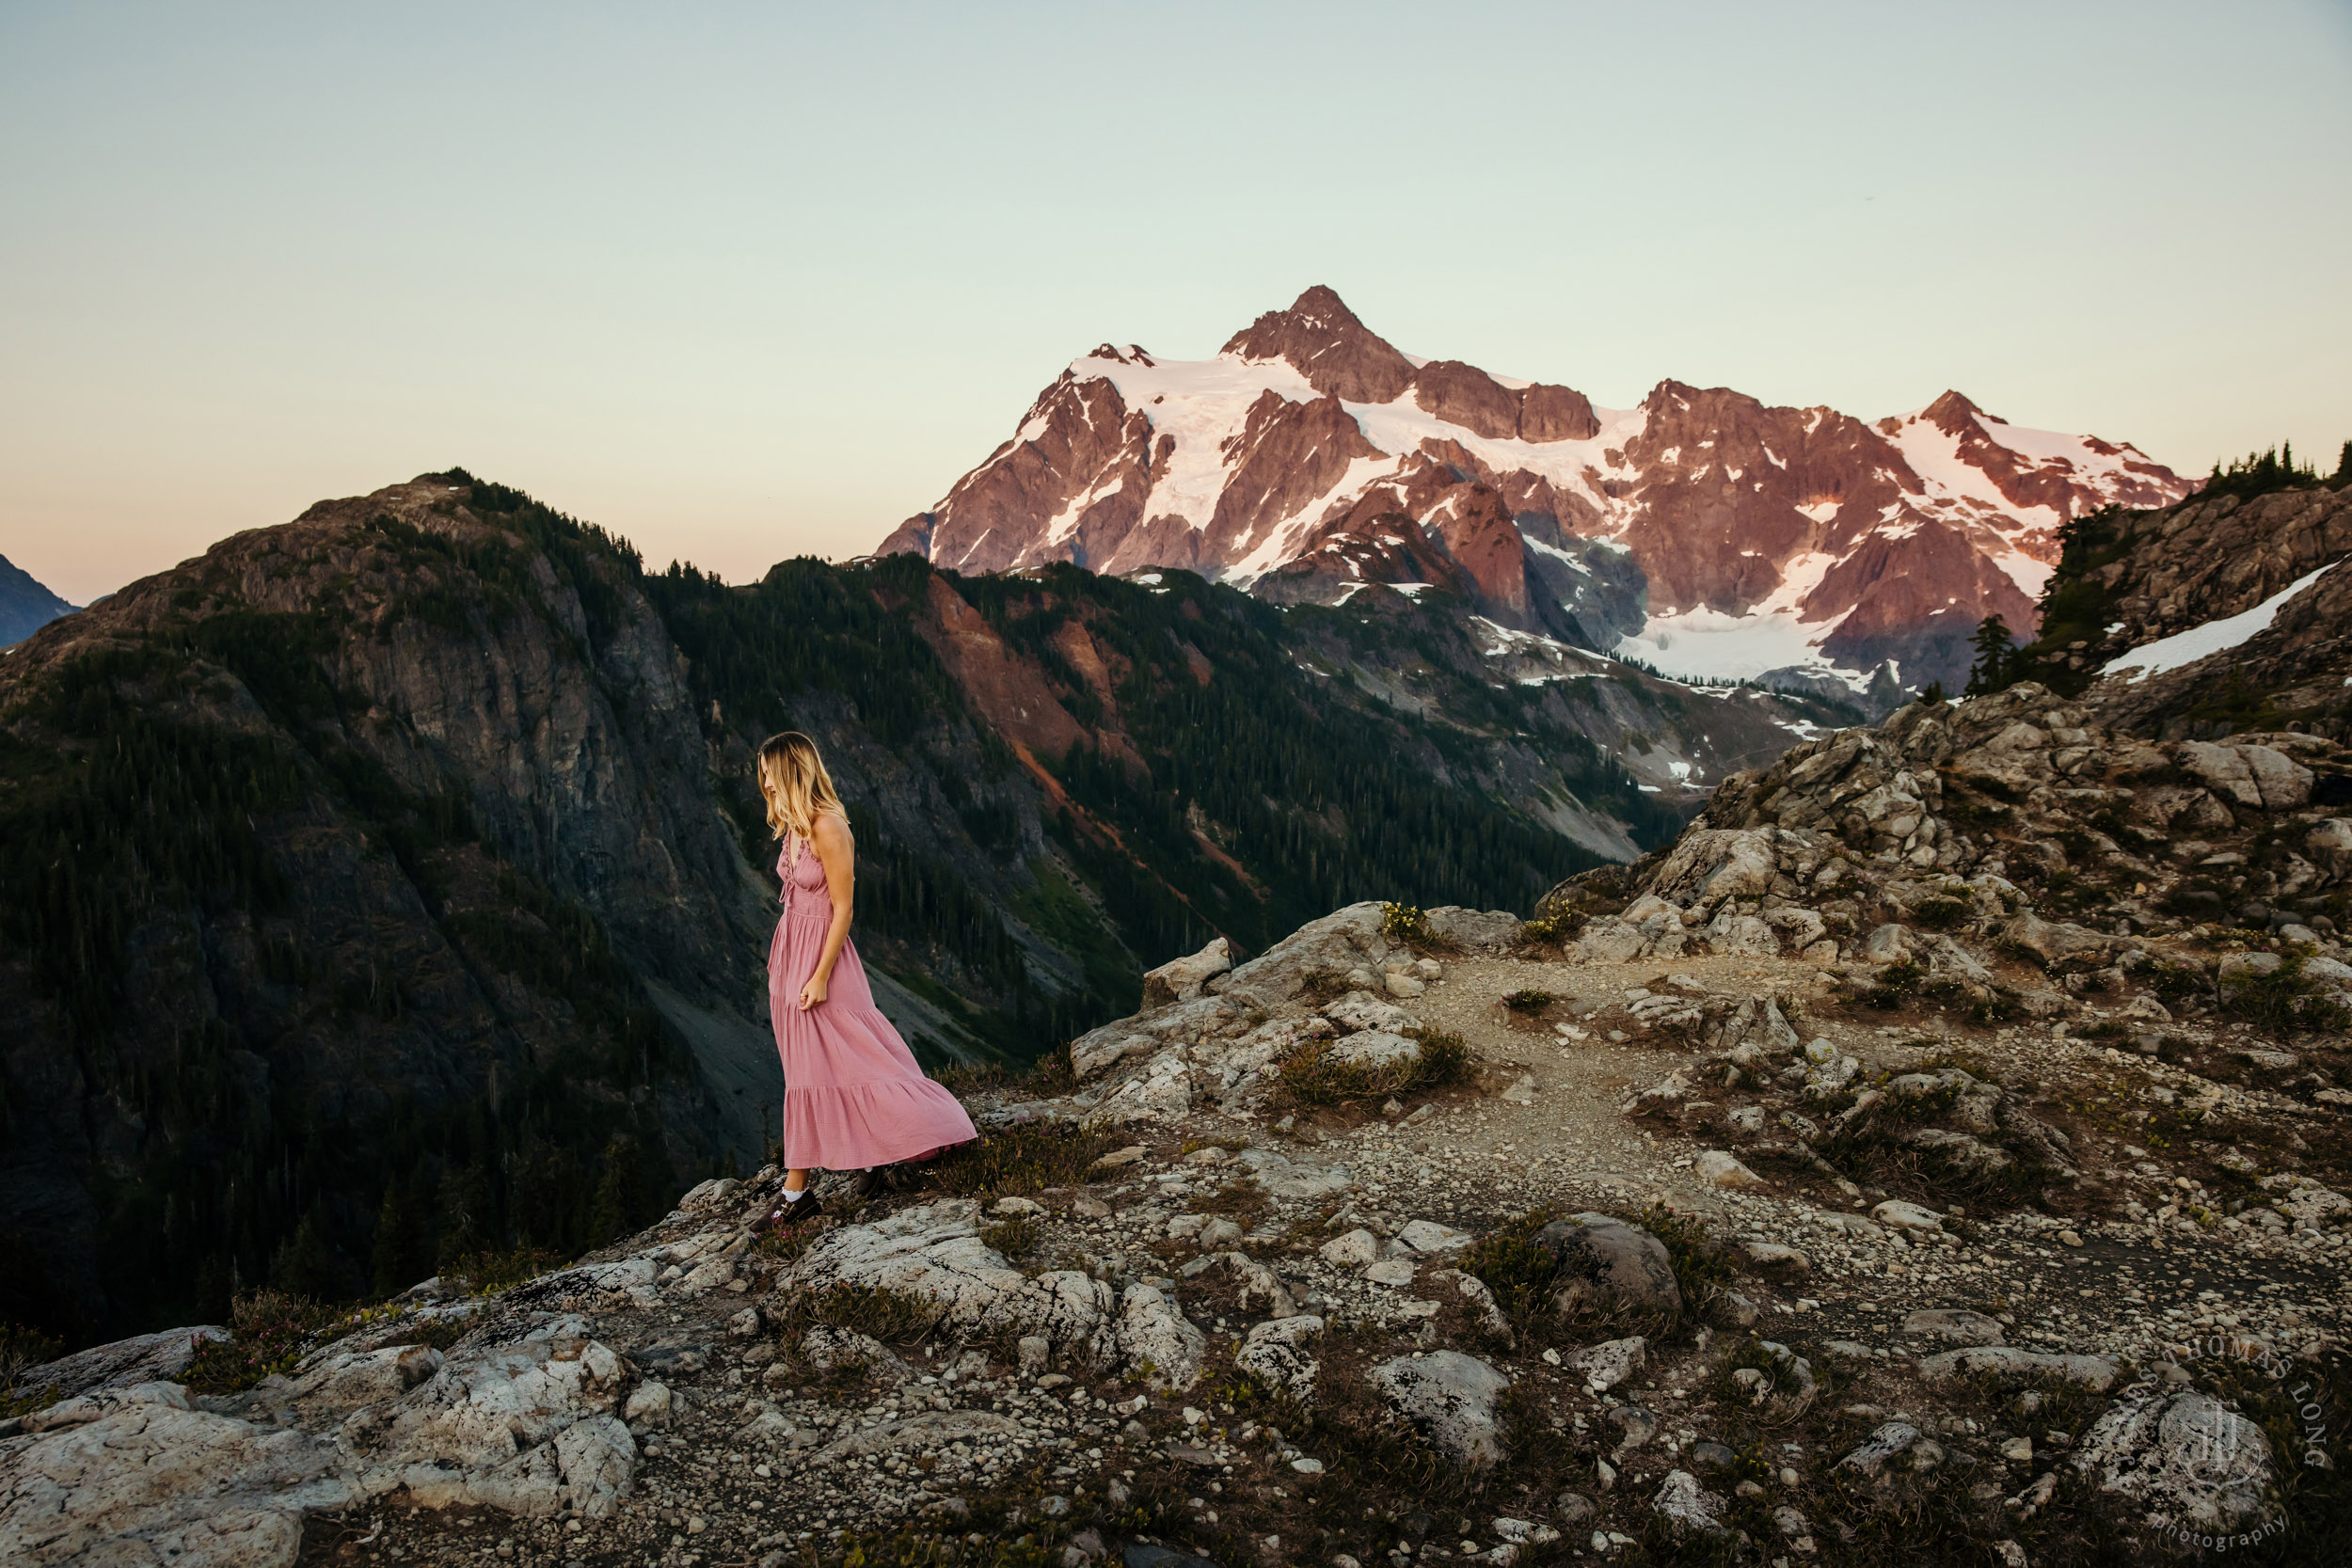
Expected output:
(835, 850)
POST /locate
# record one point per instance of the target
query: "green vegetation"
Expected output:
(2258, 474)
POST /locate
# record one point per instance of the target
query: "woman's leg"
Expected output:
(796, 1181)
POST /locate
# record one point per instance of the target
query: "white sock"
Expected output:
(791, 1197)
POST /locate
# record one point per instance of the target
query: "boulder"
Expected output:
(1890, 1440)
(1610, 941)
(1609, 1363)
(2055, 943)
(1275, 1353)
(1608, 1265)
(1708, 865)
(1180, 979)
(1429, 1236)
(1719, 1168)
(933, 1252)
(1285, 1177)
(149, 1481)
(1160, 1343)
(1688, 1508)
(2095, 1372)
(1474, 930)
(1957, 1324)
(1776, 1258)
(1900, 1214)
(2222, 770)
(1375, 1048)
(1449, 1397)
(1360, 1009)
(1342, 940)
(2184, 1457)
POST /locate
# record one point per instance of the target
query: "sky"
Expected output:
(745, 282)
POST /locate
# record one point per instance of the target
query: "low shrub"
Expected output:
(268, 1332)
(1941, 914)
(1896, 985)
(488, 1273)
(1556, 926)
(1316, 1074)
(1015, 1238)
(892, 1317)
(2284, 1000)
(1529, 1004)
(1014, 1161)
(1524, 1277)
(1406, 922)
(21, 1349)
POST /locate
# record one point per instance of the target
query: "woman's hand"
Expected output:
(812, 992)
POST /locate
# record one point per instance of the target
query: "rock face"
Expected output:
(1312, 458)
(2219, 592)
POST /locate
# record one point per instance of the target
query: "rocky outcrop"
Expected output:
(1219, 1044)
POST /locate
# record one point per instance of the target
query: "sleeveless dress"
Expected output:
(853, 1096)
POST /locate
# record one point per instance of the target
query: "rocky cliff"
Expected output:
(1703, 532)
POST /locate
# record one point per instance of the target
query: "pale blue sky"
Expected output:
(747, 281)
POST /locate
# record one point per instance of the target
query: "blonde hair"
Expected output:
(793, 781)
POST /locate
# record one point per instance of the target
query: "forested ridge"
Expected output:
(387, 896)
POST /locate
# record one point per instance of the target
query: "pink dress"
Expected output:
(854, 1097)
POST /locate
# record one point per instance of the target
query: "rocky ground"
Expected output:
(1938, 1154)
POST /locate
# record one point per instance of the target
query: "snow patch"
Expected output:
(2183, 648)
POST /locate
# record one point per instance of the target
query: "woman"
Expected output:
(854, 1097)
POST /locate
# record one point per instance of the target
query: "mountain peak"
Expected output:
(25, 605)
(1953, 412)
(1328, 344)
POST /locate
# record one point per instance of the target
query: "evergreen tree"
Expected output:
(612, 1215)
(465, 1218)
(303, 1265)
(1996, 657)
(402, 1253)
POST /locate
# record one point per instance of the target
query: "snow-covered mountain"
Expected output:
(1703, 532)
